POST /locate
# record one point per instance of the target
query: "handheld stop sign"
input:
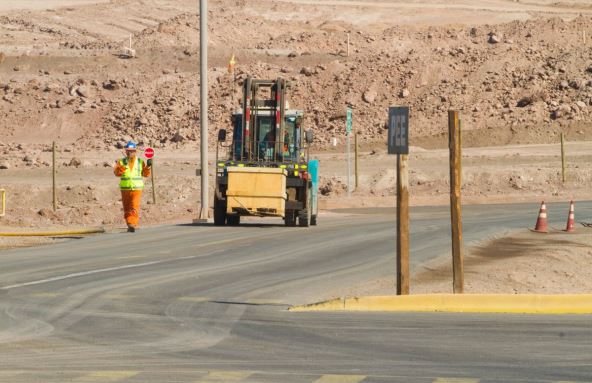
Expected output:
(149, 153)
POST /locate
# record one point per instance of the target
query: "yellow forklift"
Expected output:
(267, 172)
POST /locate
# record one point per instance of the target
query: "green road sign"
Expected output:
(348, 123)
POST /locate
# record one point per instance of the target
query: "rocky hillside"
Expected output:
(520, 82)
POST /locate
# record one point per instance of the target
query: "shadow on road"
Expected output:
(242, 225)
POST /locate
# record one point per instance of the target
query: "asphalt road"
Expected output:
(208, 304)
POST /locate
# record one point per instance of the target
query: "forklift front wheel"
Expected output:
(290, 219)
(219, 212)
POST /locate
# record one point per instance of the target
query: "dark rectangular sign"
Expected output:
(398, 130)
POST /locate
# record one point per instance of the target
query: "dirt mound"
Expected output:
(522, 81)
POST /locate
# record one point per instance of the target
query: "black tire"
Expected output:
(233, 220)
(313, 220)
(290, 219)
(304, 218)
(219, 212)
(305, 215)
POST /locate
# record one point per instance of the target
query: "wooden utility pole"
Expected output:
(54, 194)
(402, 225)
(356, 150)
(455, 201)
(562, 159)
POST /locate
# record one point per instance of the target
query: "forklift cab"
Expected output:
(288, 146)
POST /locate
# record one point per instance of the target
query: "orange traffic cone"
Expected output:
(541, 223)
(571, 219)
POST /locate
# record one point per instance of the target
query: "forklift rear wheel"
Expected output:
(290, 219)
(304, 218)
(313, 220)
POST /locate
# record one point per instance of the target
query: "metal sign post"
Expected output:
(204, 213)
(149, 154)
(348, 129)
(398, 143)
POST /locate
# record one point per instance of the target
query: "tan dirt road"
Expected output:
(11, 5)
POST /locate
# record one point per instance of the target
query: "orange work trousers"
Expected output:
(131, 206)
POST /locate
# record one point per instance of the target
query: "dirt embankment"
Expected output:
(523, 81)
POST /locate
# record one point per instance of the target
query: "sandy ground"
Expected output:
(425, 12)
(62, 78)
(11, 5)
(88, 194)
(521, 262)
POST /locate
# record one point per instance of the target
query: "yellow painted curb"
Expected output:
(52, 233)
(460, 303)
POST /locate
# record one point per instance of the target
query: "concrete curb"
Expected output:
(460, 303)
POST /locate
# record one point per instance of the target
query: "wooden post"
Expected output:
(54, 194)
(402, 225)
(348, 45)
(356, 169)
(562, 159)
(455, 201)
(153, 183)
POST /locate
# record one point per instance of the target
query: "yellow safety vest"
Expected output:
(132, 179)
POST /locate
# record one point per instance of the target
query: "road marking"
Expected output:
(107, 376)
(96, 271)
(456, 380)
(340, 379)
(225, 376)
(193, 299)
(80, 274)
(123, 267)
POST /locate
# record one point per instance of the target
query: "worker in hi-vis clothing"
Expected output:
(131, 169)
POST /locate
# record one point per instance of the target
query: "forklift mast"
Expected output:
(253, 105)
